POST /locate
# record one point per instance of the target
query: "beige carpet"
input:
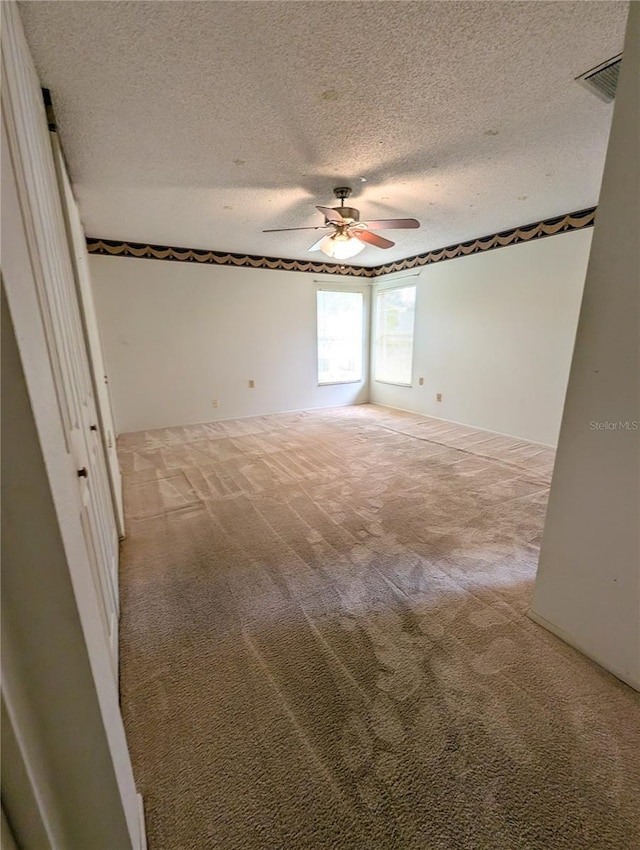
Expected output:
(324, 644)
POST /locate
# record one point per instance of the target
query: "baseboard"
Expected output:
(625, 677)
(248, 416)
(143, 827)
(464, 425)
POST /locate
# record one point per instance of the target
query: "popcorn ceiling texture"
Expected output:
(203, 123)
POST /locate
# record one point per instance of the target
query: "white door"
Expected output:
(77, 241)
(45, 227)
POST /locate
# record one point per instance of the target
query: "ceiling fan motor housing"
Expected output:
(348, 213)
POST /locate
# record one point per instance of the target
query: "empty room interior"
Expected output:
(320, 429)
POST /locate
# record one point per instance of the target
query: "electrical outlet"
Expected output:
(421, 382)
(252, 384)
(438, 396)
(215, 403)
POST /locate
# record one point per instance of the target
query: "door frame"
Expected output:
(21, 265)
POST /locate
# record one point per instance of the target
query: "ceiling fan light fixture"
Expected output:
(350, 235)
(341, 246)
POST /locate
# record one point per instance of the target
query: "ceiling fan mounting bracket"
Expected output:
(342, 192)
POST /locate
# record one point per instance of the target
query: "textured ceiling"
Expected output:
(201, 124)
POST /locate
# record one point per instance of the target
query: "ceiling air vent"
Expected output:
(603, 79)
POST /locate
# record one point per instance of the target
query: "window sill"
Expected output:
(338, 383)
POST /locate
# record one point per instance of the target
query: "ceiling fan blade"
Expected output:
(316, 245)
(373, 239)
(393, 223)
(283, 229)
(331, 214)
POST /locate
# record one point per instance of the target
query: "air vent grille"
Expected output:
(603, 80)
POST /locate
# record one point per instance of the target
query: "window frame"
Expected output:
(381, 290)
(364, 368)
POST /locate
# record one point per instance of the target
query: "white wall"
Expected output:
(494, 334)
(588, 583)
(176, 336)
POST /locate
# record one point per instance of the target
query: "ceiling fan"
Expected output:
(347, 234)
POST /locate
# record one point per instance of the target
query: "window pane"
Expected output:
(395, 313)
(340, 329)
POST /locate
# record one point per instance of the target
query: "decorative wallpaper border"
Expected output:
(218, 258)
(525, 233)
